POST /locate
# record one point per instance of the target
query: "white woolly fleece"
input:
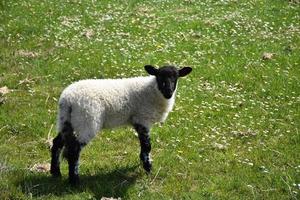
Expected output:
(91, 105)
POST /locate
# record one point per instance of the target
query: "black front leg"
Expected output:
(145, 143)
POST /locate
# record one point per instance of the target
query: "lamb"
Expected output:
(87, 106)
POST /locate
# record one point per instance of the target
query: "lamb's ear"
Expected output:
(151, 70)
(184, 71)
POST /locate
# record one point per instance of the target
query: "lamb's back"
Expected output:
(114, 99)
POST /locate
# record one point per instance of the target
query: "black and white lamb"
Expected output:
(87, 106)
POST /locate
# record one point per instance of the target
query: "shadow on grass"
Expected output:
(103, 184)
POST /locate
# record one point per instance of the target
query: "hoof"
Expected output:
(55, 173)
(74, 180)
(147, 167)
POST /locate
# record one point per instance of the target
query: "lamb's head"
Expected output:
(167, 77)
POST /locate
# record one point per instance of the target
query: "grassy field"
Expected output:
(234, 132)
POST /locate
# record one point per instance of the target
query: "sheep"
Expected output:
(87, 106)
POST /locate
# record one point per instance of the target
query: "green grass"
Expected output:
(234, 132)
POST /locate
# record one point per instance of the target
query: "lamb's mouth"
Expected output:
(167, 95)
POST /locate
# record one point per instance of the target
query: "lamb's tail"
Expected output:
(64, 115)
(64, 125)
(64, 121)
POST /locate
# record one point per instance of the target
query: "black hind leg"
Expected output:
(55, 153)
(72, 153)
(73, 148)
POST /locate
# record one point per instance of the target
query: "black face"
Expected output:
(167, 77)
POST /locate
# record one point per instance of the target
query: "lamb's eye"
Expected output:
(163, 84)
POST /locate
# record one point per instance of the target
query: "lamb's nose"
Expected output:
(168, 93)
